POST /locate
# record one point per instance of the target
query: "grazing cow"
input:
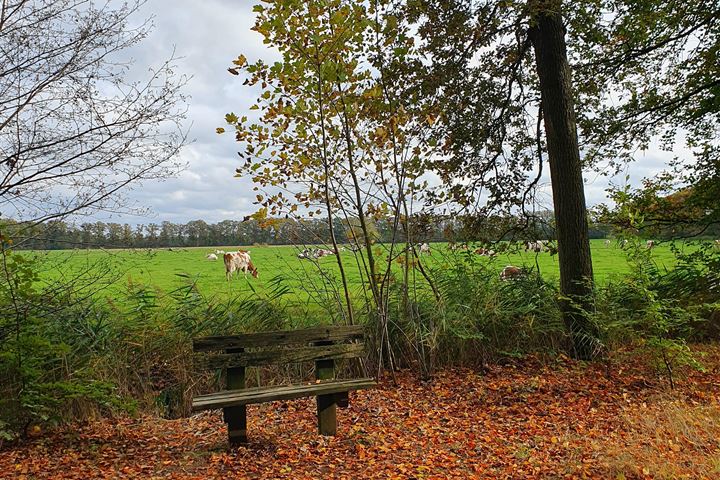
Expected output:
(485, 252)
(650, 244)
(211, 256)
(511, 272)
(315, 253)
(219, 252)
(236, 261)
(607, 243)
(537, 246)
(322, 252)
(424, 248)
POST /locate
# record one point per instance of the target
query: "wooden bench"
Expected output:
(322, 345)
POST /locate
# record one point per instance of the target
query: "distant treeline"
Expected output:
(55, 235)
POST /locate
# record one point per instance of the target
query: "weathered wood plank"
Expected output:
(326, 407)
(333, 333)
(254, 390)
(264, 394)
(275, 356)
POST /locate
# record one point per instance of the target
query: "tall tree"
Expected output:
(645, 71)
(500, 72)
(547, 34)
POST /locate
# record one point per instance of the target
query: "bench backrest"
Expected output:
(280, 347)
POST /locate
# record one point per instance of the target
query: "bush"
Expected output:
(661, 309)
(46, 346)
(478, 318)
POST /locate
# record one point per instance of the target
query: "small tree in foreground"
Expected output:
(340, 135)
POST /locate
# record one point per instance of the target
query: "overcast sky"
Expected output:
(208, 35)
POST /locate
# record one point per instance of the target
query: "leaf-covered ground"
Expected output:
(528, 420)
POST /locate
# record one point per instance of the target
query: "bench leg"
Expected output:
(236, 419)
(326, 414)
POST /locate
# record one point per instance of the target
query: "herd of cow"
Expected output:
(240, 261)
(315, 253)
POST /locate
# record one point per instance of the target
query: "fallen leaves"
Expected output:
(519, 421)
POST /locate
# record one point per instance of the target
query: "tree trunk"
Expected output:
(547, 34)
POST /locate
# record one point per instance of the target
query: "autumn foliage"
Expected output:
(531, 419)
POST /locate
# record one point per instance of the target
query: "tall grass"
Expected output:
(479, 317)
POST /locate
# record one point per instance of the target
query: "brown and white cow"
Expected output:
(650, 244)
(237, 261)
(511, 272)
(424, 248)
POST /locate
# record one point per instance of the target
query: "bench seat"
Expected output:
(247, 396)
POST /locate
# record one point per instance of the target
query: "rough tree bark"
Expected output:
(547, 34)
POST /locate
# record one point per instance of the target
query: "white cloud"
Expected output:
(208, 35)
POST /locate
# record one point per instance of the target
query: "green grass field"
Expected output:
(168, 269)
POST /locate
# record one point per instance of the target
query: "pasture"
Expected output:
(166, 269)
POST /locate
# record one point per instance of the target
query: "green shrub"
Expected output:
(478, 318)
(660, 309)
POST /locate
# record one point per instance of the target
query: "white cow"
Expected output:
(537, 246)
(607, 243)
(219, 252)
(650, 244)
(424, 248)
(211, 256)
(315, 253)
(236, 261)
